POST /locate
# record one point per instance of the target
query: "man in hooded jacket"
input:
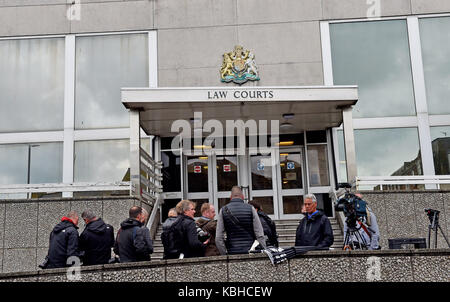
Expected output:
(315, 228)
(133, 242)
(63, 242)
(96, 240)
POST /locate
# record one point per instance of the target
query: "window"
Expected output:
(45, 163)
(31, 84)
(435, 38)
(105, 64)
(374, 56)
(385, 152)
(440, 142)
(102, 161)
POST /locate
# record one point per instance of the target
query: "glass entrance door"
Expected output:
(262, 183)
(290, 176)
(210, 179)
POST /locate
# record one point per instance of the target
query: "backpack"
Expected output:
(171, 240)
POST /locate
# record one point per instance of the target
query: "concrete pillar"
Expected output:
(135, 157)
(349, 143)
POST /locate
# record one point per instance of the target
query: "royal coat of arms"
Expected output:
(239, 66)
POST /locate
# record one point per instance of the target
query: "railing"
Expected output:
(400, 182)
(49, 188)
(150, 177)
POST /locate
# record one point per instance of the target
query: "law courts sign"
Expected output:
(131, 97)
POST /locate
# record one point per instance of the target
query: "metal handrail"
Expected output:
(64, 187)
(402, 180)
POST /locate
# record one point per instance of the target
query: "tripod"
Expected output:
(433, 215)
(353, 232)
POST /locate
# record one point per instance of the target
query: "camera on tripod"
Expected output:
(353, 207)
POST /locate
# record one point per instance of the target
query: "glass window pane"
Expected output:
(313, 137)
(171, 172)
(102, 161)
(385, 152)
(227, 176)
(198, 206)
(45, 163)
(31, 85)
(105, 64)
(435, 39)
(197, 169)
(292, 204)
(440, 142)
(291, 170)
(318, 166)
(266, 203)
(261, 167)
(374, 56)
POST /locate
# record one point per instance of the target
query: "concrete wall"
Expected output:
(402, 215)
(193, 34)
(25, 225)
(395, 266)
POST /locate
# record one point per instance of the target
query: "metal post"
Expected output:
(135, 154)
(29, 166)
(349, 143)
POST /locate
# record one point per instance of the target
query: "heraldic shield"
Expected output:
(239, 66)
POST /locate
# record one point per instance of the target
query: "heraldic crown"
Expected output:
(239, 66)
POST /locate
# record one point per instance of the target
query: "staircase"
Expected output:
(286, 236)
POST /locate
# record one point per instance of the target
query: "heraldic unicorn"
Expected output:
(239, 66)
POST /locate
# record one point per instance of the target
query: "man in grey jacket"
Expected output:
(241, 223)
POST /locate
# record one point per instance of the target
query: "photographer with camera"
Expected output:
(182, 238)
(315, 228)
(360, 228)
(208, 226)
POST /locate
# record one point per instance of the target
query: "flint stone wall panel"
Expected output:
(155, 274)
(320, 269)
(197, 272)
(21, 225)
(431, 269)
(19, 260)
(257, 271)
(2, 224)
(50, 214)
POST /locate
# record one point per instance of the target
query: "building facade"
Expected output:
(64, 63)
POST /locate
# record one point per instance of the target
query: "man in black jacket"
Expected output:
(63, 242)
(133, 242)
(269, 227)
(315, 228)
(185, 233)
(96, 240)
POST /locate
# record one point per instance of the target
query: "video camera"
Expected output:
(354, 208)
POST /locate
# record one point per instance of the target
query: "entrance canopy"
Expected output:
(305, 108)
(300, 108)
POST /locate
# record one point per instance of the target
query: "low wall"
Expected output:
(401, 214)
(323, 266)
(25, 225)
